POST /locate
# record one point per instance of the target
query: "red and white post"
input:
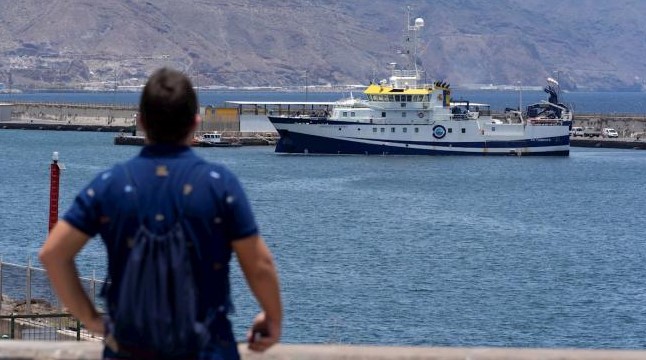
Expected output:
(54, 180)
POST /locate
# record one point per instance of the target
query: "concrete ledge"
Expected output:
(92, 350)
(72, 350)
(621, 143)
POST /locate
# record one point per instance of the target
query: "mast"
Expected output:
(410, 75)
(411, 43)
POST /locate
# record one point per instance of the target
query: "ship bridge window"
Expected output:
(409, 98)
(383, 114)
(403, 104)
(397, 98)
(345, 114)
(374, 129)
(352, 114)
(405, 129)
(464, 130)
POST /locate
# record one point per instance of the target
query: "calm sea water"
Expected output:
(582, 102)
(456, 251)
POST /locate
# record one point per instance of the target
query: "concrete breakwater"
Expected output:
(121, 118)
(228, 137)
(31, 125)
(627, 125)
(617, 143)
(74, 114)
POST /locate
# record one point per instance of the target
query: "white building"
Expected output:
(5, 112)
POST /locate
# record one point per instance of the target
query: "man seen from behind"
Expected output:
(166, 192)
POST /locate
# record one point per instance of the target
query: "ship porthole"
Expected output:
(420, 114)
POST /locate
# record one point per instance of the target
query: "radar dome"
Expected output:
(419, 22)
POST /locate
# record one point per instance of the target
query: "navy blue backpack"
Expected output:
(156, 308)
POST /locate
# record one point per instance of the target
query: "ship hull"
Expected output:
(348, 138)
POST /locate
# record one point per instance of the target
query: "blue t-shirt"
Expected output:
(169, 180)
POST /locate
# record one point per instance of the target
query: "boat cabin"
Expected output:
(465, 110)
(212, 137)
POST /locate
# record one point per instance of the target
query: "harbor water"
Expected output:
(446, 251)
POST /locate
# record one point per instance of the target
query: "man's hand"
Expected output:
(264, 333)
(96, 325)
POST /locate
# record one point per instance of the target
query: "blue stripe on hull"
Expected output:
(295, 143)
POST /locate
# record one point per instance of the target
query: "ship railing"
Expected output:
(545, 122)
(406, 73)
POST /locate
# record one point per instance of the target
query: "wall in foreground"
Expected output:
(92, 350)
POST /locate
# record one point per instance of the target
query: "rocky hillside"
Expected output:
(588, 44)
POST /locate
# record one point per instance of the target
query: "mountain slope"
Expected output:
(592, 45)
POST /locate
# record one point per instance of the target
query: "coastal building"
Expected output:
(5, 112)
(220, 119)
(251, 116)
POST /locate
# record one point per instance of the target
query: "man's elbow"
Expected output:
(264, 269)
(46, 256)
(266, 263)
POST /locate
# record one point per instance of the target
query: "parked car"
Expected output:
(609, 133)
(576, 131)
(590, 131)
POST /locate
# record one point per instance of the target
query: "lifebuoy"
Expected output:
(439, 131)
(420, 114)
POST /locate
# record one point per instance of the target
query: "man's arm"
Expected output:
(258, 267)
(57, 256)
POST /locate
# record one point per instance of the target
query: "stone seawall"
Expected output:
(625, 143)
(74, 114)
(121, 118)
(626, 125)
(65, 127)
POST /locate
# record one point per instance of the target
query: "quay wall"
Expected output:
(90, 350)
(626, 125)
(257, 130)
(74, 114)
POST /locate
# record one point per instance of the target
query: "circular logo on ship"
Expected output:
(439, 131)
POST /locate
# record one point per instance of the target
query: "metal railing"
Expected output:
(43, 327)
(27, 290)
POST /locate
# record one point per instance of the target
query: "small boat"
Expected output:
(212, 139)
(404, 116)
(124, 139)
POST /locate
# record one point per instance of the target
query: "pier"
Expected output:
(246, 122)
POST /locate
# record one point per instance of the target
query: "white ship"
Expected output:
(403, 116)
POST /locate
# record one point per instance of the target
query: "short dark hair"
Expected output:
(168, 106)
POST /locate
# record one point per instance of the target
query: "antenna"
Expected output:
(412, 33)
